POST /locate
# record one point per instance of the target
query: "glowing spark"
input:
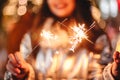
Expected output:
(47, 35)
(78, 37)
(80, 34)
(91, 26)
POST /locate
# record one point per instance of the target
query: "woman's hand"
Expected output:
(17, 65)
(116, 65)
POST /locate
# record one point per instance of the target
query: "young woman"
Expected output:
(46, 52)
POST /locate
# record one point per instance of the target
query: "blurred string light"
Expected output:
(96, 13)
(109, 8)
(20, 7)
(113, 8)
(21, 10)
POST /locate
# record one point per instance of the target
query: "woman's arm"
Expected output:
(116, 65)
(17, 66)
(112, 71)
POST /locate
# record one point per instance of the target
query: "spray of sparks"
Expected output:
(47, 35)
(80, 34)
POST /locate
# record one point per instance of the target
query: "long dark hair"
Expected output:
(82, 13)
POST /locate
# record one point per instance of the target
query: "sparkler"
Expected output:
(47, 35)
(80, 34)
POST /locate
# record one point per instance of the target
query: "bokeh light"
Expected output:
(21, 10)
(22, 2)
(108, 8)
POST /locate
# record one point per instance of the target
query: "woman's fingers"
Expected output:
(23, 64)
(14, 70)
(19, 58)
(116, 57)
(12, 59)
(17, 65)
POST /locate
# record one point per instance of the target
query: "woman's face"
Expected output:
(61, 8)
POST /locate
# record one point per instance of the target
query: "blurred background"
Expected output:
(16, 17)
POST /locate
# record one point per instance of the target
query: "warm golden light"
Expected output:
(118, 45)
(54, 65)
(68, 64)
(47, 35)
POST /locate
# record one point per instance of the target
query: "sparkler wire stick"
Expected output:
(62, 22)
(91, 27)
